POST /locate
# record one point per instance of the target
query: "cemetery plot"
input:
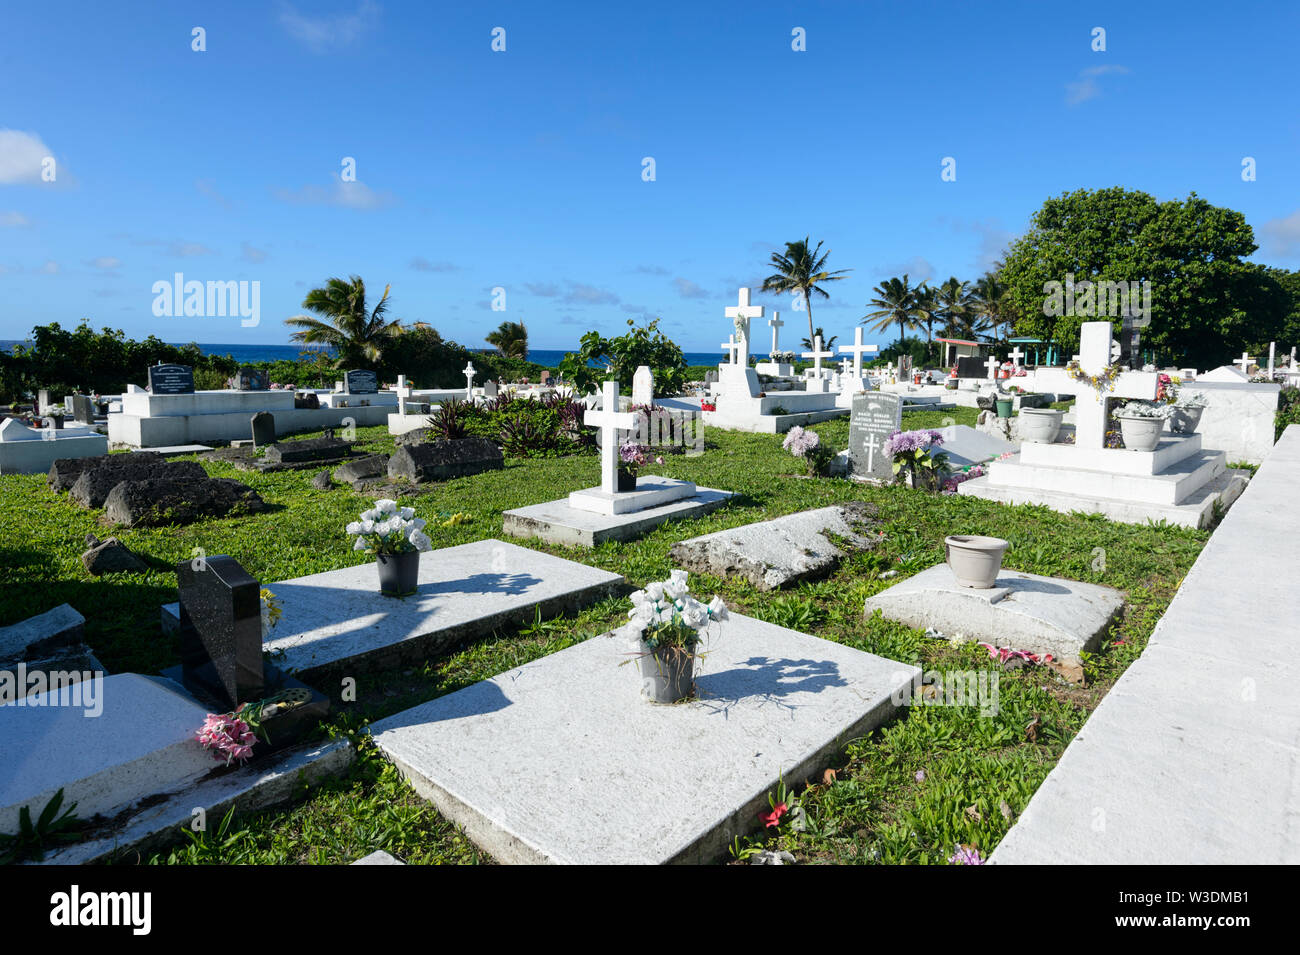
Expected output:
(338, 619)
(562, 761)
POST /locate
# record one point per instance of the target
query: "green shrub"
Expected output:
(640, 346)
(523, 427)
(1288, 409)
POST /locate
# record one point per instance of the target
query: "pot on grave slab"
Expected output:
(1004, 407)
(1185, 420)
(667, 674)
(626, 480)
(1040, 425)
(398, 573)
(1140, 433)
(974, 560)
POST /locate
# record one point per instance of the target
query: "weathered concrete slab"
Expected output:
(561, 760)
(784, 550)
(965, 445)
(61, 626)
(106, 742)
(1023, 611)
(558, 523)
(338, 617)
(1191, 757)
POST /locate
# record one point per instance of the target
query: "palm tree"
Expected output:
(510, 340)
(356, 333)
(895, 303)
(827, 343)
(799, 270)
(927, 313)
(953, 307)
(991, 302)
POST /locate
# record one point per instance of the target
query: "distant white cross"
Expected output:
(776, 323)
(404, 392)
(856, 350)
(817, 355)
(744, 311)
(992, 364)
(730, 347)
(470, 372)
(610, 421)
(1244, 361)
(1271, 350)
(1090, 403)
(1016, 355)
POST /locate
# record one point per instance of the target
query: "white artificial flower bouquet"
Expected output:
(388, 529)
(669, 617)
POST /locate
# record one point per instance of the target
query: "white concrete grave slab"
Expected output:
(338, 618)
(561, 761)
(1022, 611)
(106, 742)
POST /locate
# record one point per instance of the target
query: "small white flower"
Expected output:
(695, 617)
(717, 609)
(369, 515)
(360, 544)
(655, 591)
(420, 541)
(354, 528)
(367, 526)
(385, 506)
(418, 523)
(406, 513)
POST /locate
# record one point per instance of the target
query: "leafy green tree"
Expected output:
(510, 340)
(645, 345)
(355, 331)
(802, 270)
(953, 307)
(990, 306)
(896, 303)
(1191, 252)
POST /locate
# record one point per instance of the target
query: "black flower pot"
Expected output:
(667, 675)
(626, 480)
(398, 573)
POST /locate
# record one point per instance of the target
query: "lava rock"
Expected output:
(93, 487)
(440, 460)
(158, 501)
(65, 471)
(321, 481)
(110, 556)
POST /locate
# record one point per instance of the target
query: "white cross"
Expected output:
(1244, 361)
(744, 311)
(1271, 347)
(470, 372)
(872, 445)
(404, 391)
(992, 364)
(817, 355)
(1016, 355)
(610, 421)
(856, 350)
(776, 323)
(730, 347)
(1091, 404)
(844, 366)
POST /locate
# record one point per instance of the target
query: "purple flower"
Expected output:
(799, 442)
(965, 855)
(905, 442)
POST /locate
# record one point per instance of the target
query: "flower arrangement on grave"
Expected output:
(781, 356)
(1139, 408)
(271, 611)
(708, 406)
(807, 445)
(915, 459)
(228, 736)
(396, 537)
(1191, 399)
(633, 457)
(670, 622)
(1105, 381)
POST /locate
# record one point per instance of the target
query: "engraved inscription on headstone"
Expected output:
(360, 382)
(875, 416)
(171, 379)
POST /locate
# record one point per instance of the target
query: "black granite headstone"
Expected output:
(361, 382)
(972, 368)
(221, 630)
(83, 409)
(263, 429)
(874, 417)
(171, 379)
(251, 379)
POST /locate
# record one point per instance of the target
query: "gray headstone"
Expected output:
(251, 379)
(221, 630)
(490, 390)
(643, 386)
(83, 409)
(361, 382)
(171, 379)
(874, 417)
(263, 429)
(44, 400)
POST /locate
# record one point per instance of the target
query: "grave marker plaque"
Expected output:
(83, 410)
(263, 429)
(252, 379)
(221, 630)
(171, 379)
(875, 416)
(361, 382)
(971, 368)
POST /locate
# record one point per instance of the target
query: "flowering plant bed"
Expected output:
(808, 446)
(915, 461)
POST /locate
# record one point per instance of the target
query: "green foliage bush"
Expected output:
(1288, 409)
(524, 427)
(646, 345)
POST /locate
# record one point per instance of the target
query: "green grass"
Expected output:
(978, 772)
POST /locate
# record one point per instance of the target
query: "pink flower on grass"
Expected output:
(229, 737)
(965, 855)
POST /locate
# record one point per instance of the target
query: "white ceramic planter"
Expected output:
(1040, 425)
(975, 561)
(1185, 420)
(1140, 433)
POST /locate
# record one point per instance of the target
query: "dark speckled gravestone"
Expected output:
(221, 630)
(263, 429)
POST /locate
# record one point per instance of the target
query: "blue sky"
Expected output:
(522, 169)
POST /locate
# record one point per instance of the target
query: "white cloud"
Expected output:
(104, 262)
(917, 269)
(208, 187)
(1282, 235)
(49, 268)
(250, 254)
(1086, 87)
(542, 289)
(187, 250)
(322, 34)
(424, 265)
(21, 155)
(580, 294)
(688, 289)
(15, 220)
(350, 195)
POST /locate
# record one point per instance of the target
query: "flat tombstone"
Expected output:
(490, 389)
(874, 417)
(971, 368)
(221, 630)
(171, 379)
(263, 429)
(251, 379)
(361, 382)
(643, 386)
(83, 409)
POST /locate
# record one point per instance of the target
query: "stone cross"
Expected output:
(731, 349)
(1271, 354)
(404, 392)
(470, 372)
(872, 445)
(1016, 355)
(856, 350)
(992, 364)
(610, 421)
(776, 323)
(817, 355)
(744, 311)
(1090, 403)
(1244, 361)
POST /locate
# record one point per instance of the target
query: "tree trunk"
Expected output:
(807, 303)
